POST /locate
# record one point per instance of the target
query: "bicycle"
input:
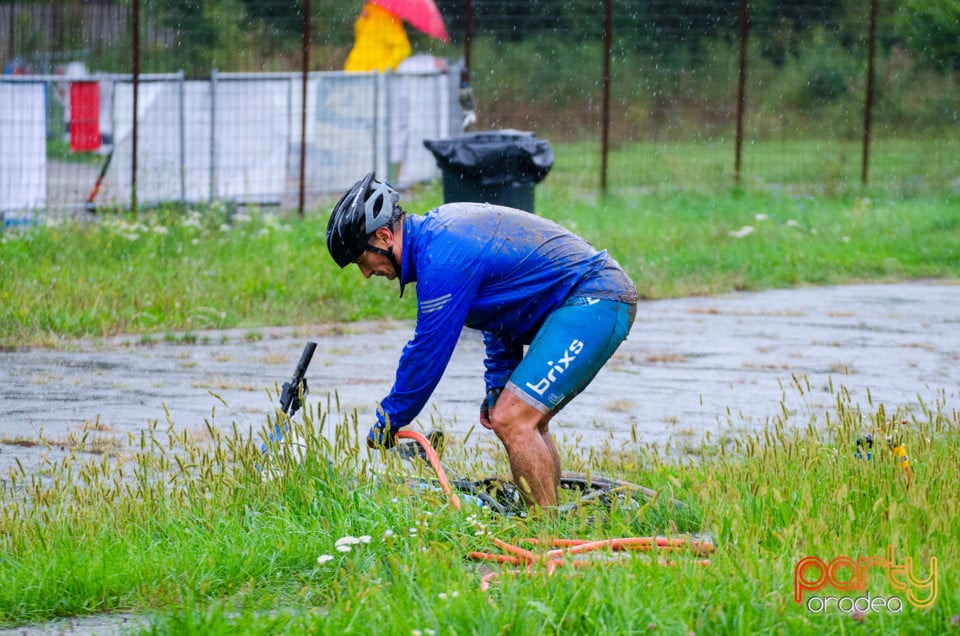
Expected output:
(496, 493)
(502, 496)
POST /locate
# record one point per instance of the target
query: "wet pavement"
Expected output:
(690, 366)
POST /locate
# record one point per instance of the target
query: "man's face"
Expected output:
(373, 264)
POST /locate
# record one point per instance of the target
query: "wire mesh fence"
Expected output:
(675, 72)
(144, 101)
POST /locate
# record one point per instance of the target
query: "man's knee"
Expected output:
(506, 428)
(512, 419)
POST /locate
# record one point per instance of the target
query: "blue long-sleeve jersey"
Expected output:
(491, 268)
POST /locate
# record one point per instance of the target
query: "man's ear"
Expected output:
(384, 233)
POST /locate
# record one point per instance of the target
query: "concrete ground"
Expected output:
(691, 366)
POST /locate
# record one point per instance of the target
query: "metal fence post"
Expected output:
(305, 70)
(213, 133)
(183, 139)
(467, 39)
(605, 132)
(389, 94)
(868, 106)
(741, 85)
(136, 92)
(375, 78)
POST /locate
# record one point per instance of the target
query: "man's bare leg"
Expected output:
(534, 460)
(544, 428)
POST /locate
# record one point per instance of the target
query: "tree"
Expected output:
(207, 31)
(931, 30)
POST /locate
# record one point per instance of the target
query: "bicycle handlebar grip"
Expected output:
(291, 393)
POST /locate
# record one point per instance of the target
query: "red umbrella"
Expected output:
(420, 14)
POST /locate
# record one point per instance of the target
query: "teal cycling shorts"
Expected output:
(573, 344)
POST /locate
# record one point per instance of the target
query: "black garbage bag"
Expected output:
(495, 158)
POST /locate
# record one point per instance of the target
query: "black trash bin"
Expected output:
(499, 167)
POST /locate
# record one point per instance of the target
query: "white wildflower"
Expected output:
(746, 230)
(324, 558)
(347, 540)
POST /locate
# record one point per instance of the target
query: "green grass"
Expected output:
(692, 244)
(188, 530)
(170, 272)
(809, 167)
(192, 535)
(676, 233)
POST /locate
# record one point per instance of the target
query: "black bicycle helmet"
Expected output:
(365, 207)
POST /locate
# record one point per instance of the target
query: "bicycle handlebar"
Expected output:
(290, 397)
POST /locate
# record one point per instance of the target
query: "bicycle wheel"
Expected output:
(587, 487)
(502, 495)
(576, 489)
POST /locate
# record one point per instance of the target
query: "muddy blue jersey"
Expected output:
(495, 269)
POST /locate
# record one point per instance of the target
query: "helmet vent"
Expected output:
(376, 206)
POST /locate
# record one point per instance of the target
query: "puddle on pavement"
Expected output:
(690, 366)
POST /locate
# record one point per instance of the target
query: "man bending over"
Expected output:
(523, 281)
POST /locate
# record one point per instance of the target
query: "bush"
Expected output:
(931, 29)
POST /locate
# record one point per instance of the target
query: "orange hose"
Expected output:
(553, 559)
(434, 462)
(499, 558)
(577, 546)
(560, 543)
(525, 555)
(580, 546)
